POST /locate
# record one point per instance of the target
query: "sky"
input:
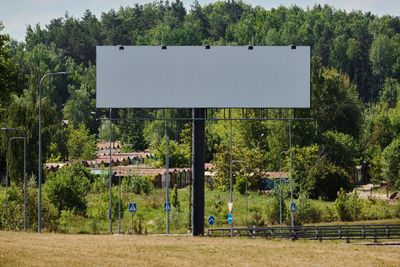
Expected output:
(17, 14)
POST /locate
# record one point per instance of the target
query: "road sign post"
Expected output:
(167, 206)
(230, 218)
(211, 220)
(132, 208)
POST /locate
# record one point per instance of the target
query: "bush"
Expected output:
(256, 216)
(66, 218)
(176, 218)
(341, 206)
(13, 218)
(306, 211)
(376, 210)
(98, 208)
(175, 199)
(272, 210)
(397, 210)
(348, 208)
(138, 185)
(330, 214)
(217, 207)
(138, 224)
(67, 188)
(240, 184)
(100, 184)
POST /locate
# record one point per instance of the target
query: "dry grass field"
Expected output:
(21, 249)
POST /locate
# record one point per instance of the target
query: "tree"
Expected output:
(340, 149)
(391, 163)
(81, 145)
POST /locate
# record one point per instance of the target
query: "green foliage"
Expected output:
(391, 163)
(67, 188)
(138, 224)
(256, 216)
(217, 206)
(327, 179)
(65, 220)
(341, 205)
(177, 218)
(179, 154)
(81, 145)
(272, 211)
(137, 184)
(104, 130)
(98, 208)
(306, 211)
(348, 208)
(240, 184)
(100, 184)
(12, 217)
(175, 199)
(341, 149)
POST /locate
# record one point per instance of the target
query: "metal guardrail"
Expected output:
(321, 232)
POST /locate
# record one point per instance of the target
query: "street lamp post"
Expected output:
(6, 129)
(25, 200)
(291, 179)
(280, 186)
(40, 148)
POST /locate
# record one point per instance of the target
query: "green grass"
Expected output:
(151, 208)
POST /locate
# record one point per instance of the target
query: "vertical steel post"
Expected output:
(25, 200)
(291, 177)
(198, 160)
(230, 166)
(119, 202)
(247, 204)
(167, 176)
(110, 182)
(40, 148)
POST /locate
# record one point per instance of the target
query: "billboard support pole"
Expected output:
(198, 160)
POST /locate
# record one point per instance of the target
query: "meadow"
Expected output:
(17, 248)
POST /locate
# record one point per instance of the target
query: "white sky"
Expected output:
(17, 14)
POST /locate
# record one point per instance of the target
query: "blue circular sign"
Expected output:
(230, 218)
(211, 220)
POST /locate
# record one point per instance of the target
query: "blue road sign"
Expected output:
(230, 218)
(132, 207)
(211, 220)
(293, 207)
(167, 206)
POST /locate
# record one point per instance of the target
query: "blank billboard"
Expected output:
(203, 77)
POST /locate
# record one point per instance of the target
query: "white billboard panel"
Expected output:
(197, 77)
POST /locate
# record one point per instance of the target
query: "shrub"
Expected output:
(138, 224)
(138, 185)
(159, 221)
(397, 210)
(175, 199)
(306, 211)
(100, 184)
(341, 206)
(176, 218)
(13, 217)
(66, 218)
(330, 214)
(256, 216)
(376, 210)
(240, 184)
(67, 188)
(98, 208)
(272, 210)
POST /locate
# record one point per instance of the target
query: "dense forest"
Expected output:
(355, 72)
